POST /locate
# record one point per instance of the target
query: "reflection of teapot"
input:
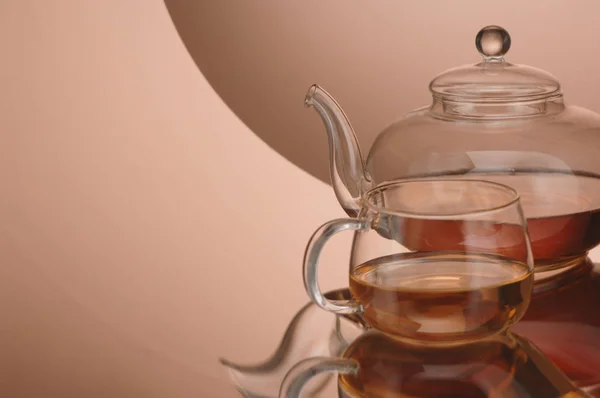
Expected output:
(377, 366)
(312, 332)
(492, 120)
(507, 123)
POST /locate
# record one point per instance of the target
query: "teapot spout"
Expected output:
(347, 169)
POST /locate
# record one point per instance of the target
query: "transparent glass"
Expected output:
(433, 261)
(493, 120)
(311, 332)
(375, 365)
(509, 123)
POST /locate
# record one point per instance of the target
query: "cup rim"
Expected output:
(368, 195)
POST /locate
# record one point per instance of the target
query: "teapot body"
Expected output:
(552, 160)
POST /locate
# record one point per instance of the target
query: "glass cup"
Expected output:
(434, 261)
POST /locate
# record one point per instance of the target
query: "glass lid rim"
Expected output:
(520, 83)
(446, 97)
(492, 93)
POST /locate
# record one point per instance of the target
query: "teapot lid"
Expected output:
(494, 79)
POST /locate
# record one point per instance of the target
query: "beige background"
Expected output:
(145, 230)
(375, 57)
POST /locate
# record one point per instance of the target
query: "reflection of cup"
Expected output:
(433, 261)
(375, 365)
(311, 332)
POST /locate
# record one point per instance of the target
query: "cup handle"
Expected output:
(311, 261)
(303, 371)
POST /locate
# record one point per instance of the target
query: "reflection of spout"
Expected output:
(347, 170)
(312, 332)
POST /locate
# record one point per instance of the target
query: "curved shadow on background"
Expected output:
(375, 58)
(261, 57)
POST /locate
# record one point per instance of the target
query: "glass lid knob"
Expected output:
(492, 42)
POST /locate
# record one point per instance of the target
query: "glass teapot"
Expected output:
(507, 123)
(493, 120)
